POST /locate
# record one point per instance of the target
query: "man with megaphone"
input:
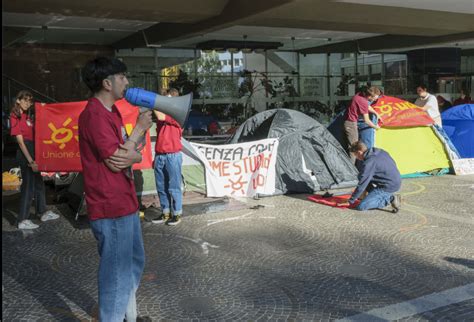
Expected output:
(107, 154)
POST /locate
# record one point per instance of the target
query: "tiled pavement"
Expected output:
(288, 260)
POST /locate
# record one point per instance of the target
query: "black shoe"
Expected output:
(174, 220)
(396, 202)
(161, 219)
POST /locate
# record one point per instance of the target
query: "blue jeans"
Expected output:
(366, 133)
(122, 258)
(168, 182)
(377, 198)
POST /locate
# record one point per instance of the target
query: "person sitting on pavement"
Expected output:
(378, 176)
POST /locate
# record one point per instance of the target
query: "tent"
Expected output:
(309, 158)
(458, 123)
(409, 135)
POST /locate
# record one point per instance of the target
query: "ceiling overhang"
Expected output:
(388, 43)
(233, 12)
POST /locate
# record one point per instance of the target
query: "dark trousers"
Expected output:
(32, 185)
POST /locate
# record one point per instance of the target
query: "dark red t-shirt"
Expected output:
(359, 106)
(168, 136)
(108, 194)
(22, 126)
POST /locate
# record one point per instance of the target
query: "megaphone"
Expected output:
(176, 107)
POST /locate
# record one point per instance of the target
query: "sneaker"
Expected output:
(174, 220)
(161, 219)
(27, 224)
(49, 215)
(396, 202)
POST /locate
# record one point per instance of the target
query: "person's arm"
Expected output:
(365, 176)
(26, 153)
(104, 137)
(369, 122)
(123, 158)
(430, 103)
(126, 154)
(144, 122)
(373, 111)
(166, 118)
(426, 107)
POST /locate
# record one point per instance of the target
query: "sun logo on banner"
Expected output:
(239, 184)
(63, 135)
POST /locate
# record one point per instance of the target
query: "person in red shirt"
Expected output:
(32, 185)
(463, 98)
(167, 165)
(359, 109)
(107, 154)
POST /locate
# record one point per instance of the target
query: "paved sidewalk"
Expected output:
(288, 260)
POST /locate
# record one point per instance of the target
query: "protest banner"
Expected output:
(57, 136)
(395, 112)
(239, 170)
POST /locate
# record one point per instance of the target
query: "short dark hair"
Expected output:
(357, 146)
(423, 87)
(98, 69)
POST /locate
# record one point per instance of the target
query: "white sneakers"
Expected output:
(49, 215)
(28, 224)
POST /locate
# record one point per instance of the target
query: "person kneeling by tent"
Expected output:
(378, 176)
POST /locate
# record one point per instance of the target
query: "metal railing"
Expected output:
(11, 86)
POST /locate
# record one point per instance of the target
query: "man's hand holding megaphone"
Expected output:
(160, 115)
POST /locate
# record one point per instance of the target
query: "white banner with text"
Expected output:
(239, 170)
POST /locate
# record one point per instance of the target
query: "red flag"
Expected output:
(57, 138)
(395, 112)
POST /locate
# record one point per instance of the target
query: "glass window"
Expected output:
(395, 69)
(347, 55)
(348, 71)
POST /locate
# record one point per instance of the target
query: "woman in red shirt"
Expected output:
(32, 185)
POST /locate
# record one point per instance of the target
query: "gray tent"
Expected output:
(309, 157)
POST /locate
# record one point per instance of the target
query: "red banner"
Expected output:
(395, 112)
(57, 137)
